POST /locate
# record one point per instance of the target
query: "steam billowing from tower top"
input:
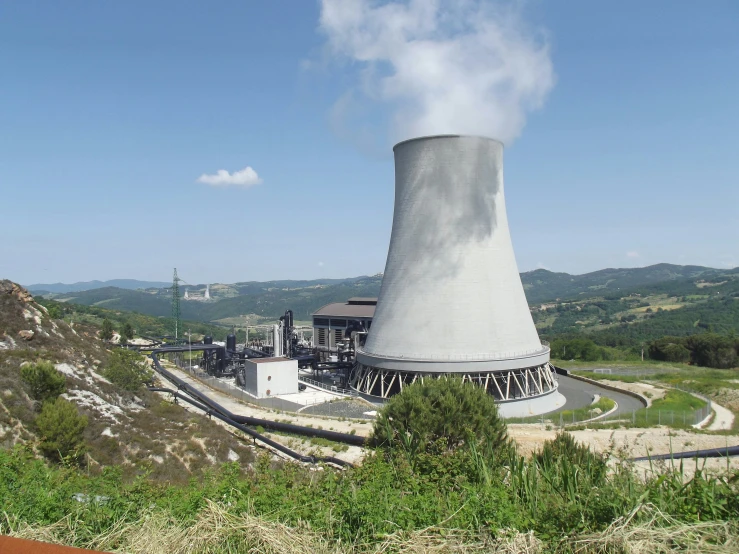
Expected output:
(445, 66)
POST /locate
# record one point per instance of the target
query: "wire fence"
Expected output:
(645, 417)
(226, 387)
(330, 388)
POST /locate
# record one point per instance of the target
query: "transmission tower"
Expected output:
(176, 305)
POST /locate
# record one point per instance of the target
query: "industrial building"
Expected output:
(265, 377)
(330, 323)
(451, 300)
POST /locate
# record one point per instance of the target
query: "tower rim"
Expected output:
(447, 136)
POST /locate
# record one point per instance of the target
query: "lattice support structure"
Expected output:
(505, 386)
(176, 316)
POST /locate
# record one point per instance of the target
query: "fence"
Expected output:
(232, 390)
(330, 388)
(644, 417)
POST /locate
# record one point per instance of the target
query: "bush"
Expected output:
(445, 412)
(106, 330)
(126, 332)
(43, 380)
(61, 427)
(565, 447)
(128, 370)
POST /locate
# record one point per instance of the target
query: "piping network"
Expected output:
(212, 408)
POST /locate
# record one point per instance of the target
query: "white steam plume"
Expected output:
(446, 66)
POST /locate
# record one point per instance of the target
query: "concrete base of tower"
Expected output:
(528, 407)
(520, 392)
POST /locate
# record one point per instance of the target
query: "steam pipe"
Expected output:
(252, 433)
(726, 451)
(245, 420)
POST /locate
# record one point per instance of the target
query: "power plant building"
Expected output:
(451, 300)
(332, 320)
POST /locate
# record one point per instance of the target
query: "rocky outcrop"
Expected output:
(26, 334)
(9, 287)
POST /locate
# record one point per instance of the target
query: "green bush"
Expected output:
(128, 370)
(106, 330)
(60, 427)
(126, 332)
(43, 380)
(444, 412)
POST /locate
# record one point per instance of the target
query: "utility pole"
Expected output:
(176, 304)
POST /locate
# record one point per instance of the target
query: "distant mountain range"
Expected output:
(270, 299)
(128, 284)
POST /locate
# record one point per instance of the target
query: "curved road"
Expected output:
(580, 394)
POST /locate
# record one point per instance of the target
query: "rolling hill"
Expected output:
(61, 288)
(270, 299)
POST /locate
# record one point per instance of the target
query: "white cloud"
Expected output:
(632, 254)
(320, 264)
(246, 177)
(445, 66)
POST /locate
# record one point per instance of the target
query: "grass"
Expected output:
(604, 404)
(466, 500)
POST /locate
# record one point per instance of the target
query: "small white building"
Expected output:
(265, 377)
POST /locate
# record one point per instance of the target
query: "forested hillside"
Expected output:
(270, 299)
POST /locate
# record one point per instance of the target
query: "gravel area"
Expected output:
(354, 409)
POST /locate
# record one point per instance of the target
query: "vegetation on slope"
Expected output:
(472, 497)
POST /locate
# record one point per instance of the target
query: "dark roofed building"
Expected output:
(330, 322)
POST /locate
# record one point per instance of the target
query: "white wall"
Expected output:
(277, 377)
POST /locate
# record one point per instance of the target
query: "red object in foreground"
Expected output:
(10, 545)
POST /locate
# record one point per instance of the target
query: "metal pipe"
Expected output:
(267, 424)
(252, 433)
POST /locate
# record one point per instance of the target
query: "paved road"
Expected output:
(580, 394)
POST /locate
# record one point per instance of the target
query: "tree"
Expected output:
(128, 370)
(43, 380)
(61, 429)
(126, 332)
(106, 331)
(55, 312)
(444, 412)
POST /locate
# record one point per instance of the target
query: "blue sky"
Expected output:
(111, 111)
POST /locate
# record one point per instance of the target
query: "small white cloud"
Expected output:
(246, 177)
(320, 264)
(632, 254)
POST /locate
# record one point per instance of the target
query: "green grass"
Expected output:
(581, 414)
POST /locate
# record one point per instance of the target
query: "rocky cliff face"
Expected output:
(142, 432)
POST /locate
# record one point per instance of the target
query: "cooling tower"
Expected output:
(451, 300)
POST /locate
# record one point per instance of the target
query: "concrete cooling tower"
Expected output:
(451, 300)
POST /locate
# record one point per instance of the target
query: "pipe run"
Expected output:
(335, 436)
(252, 433)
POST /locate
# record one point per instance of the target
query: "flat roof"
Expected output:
(362, 300)
(268, 360)
(345, 309)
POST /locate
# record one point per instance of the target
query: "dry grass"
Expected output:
(217, 531)
(659, 534)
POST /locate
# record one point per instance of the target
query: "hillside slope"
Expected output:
(142, 432)
(270, 299)
(131, 284)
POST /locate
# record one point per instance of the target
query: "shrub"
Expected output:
(61, 427)
(43, 380)
(128, 370)
(126, 332)
(445, 412)
(106, 330)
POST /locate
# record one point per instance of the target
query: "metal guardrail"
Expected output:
(330, 388)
